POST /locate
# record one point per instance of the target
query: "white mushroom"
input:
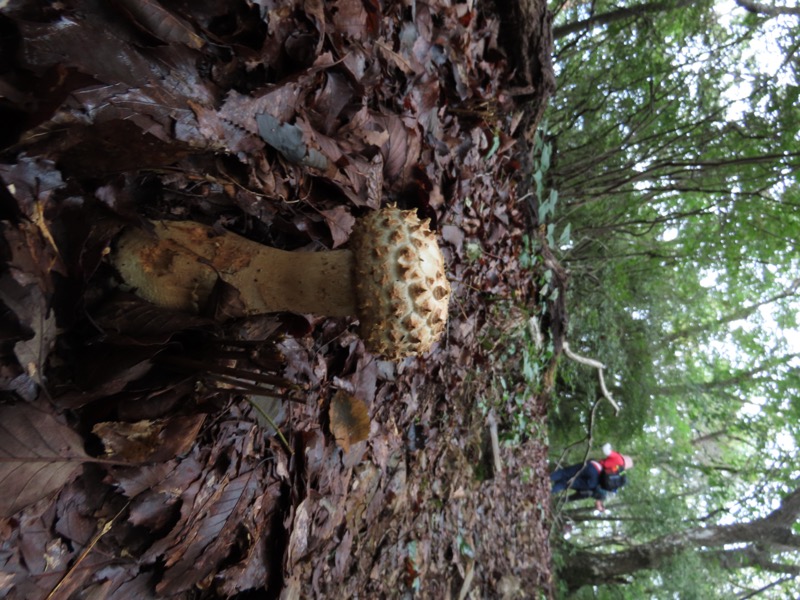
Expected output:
(392, 278)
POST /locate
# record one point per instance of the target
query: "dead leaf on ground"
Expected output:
(301, 530)
(38, 455)
(31, 308)
(349, 420)
(341, 222)
(288, 140)
(148, 440)
(33, 259)
(261, 559)
(270, 412)
(161, 23)
(128, 315)
(206, 538)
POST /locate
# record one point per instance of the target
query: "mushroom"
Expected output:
(392, 277)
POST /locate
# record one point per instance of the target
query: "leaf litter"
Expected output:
(133, 462)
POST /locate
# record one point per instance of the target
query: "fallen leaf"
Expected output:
(206, 538)
(401, 150)
(359, 20)
(288, 140)
(349, 420)
(454, 236)
(224, 302)
(35, 314)
(169, 477)
(342, 556)
(38, 455)
(32, 260)
(341, 222)
(330, 101)
(270, 412)
(257, 564)
(129, 315)
(33, 182)
(92, 47)
(148, 440)
(301, 530)
(161, 23)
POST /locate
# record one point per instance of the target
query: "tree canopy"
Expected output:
(676, 151)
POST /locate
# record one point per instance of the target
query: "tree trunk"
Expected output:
(773, 531)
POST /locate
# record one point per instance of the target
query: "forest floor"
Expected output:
(134, 463)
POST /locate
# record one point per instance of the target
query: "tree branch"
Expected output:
(617, 15)
(597, 365)
(768, 10)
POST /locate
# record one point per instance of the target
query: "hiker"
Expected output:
(594, 479)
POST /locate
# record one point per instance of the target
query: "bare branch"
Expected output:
(597, 365)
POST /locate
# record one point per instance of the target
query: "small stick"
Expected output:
(272, 423)
(187, 363)
(492, 420)
(468, 577)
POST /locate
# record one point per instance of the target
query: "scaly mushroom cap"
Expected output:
(402, 292)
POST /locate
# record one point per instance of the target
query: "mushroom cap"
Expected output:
(402, 292)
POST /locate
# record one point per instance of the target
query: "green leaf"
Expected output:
(544, 160)
(565, 236)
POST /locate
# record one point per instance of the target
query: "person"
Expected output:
(594, 479)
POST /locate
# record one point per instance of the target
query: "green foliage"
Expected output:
(676, 155)
(516, 378)
(547, 197)
(688, 575)
(521, 356)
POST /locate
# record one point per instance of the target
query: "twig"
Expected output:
(200, 366)
(492, 420)
(106, 528)
(272, 423)
(597, 365)
(468, 577)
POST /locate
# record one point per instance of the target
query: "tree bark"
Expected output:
(770, 532)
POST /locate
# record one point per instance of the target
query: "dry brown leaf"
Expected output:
(330, 101)
(38, 455)
(356, 19)
(454, 236)
(148, 441)
(349, 420)
(31, 308)
(161, 23)
(301, 531)
(204, 540)
(340, 221)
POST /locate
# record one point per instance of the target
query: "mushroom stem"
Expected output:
(179, 266)
(392, 278)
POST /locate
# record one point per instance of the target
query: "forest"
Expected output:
(675, 156)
